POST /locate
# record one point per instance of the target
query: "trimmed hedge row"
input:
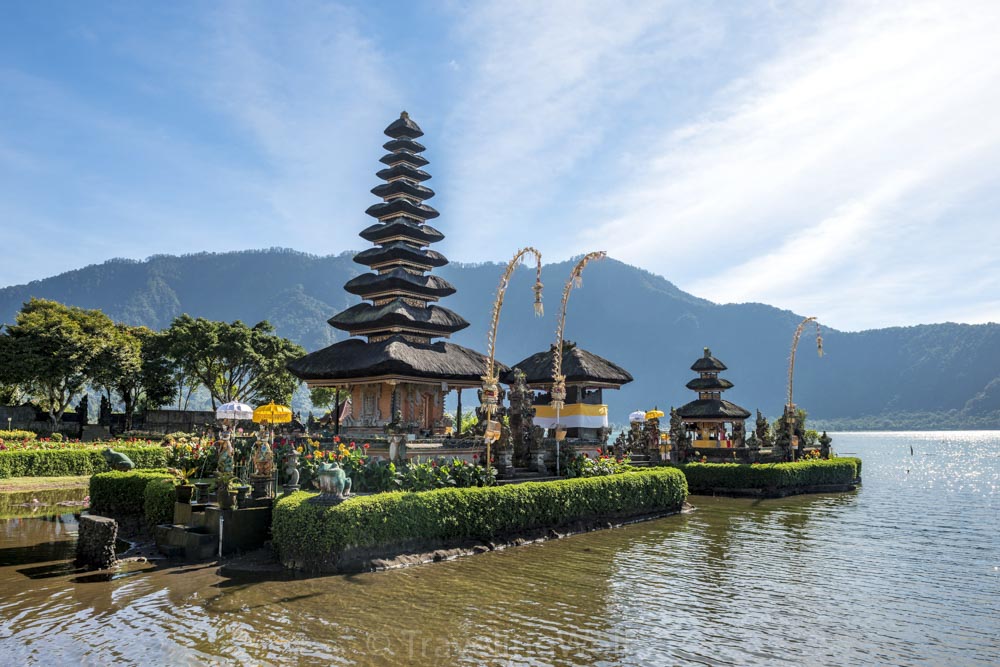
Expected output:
(309, 536)
(707, 477)
(124, 493)
(158, 503)
(71, 462)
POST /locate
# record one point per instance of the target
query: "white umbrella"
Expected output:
(637, 416)
(234, 410)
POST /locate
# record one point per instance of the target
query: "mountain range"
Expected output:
(927, 376)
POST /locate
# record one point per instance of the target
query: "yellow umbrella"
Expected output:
(271, 413)
(651, 414)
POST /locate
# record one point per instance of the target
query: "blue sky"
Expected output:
(838, 159)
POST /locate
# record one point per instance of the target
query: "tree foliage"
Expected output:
(234, 361)
(52, 351)
(134, 367)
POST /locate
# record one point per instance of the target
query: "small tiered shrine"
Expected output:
(585, 415)
(713, 422)
(394, 368)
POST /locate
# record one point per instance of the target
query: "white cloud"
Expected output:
(544, 84)
(839, 178)
(313, 93)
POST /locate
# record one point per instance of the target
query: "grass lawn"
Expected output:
(14, 484)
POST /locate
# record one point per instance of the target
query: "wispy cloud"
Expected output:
(313, 92)
(544, 86)
(836, 178)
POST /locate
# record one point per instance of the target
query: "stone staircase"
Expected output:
(527, 475)
(642, 461)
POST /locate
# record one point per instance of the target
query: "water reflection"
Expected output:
(903, 572)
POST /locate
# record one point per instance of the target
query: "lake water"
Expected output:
(905, 571)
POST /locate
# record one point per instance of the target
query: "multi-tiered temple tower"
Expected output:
(398, 366)
(716, 423)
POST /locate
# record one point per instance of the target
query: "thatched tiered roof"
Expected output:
(710, 404)
(395, 357)
(398, 317)
(578, 365)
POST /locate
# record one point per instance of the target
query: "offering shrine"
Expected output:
(713, 422)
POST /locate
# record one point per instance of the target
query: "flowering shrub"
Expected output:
(194, 453)
(442, 473)
(582, 465)
(376, 476)
(17, 434)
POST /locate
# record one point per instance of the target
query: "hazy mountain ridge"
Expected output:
(635, 318)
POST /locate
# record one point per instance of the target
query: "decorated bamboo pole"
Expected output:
(558, 379)
(790, 415)
(491, 380)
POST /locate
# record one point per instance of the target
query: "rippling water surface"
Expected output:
(905, 571)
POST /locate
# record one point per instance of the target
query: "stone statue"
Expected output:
(117, 460)
(83, 409)
(291, 472)
(739, 433)
(621, 444)
(824, 445)
(104, 412)
(225, 450)
(334, 484)
(292, 469)
(679, 438)
(763, 431)
(263, 459)
(522, 418)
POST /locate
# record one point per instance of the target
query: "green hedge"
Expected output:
(707, 477)
(314, 537)
(124, 493)
(71, 462)
(158, 503)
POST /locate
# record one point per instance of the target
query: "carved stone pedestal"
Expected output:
(261, 486)
(505, 463)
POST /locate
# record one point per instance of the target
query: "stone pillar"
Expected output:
(95, 545)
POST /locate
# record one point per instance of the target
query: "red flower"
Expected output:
(434, 464)
(366, 445)
(309, 457)
(586, 455)
(475, 456)
(352, 443)
(600, 451)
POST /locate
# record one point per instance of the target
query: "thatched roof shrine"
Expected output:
(710, 405)
(578, 365)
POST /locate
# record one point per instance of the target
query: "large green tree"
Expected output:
(234, 361)
(52, 352)
(136, 368)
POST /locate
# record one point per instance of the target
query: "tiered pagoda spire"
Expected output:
(400, 290)
(395, 357)
(710, 386)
